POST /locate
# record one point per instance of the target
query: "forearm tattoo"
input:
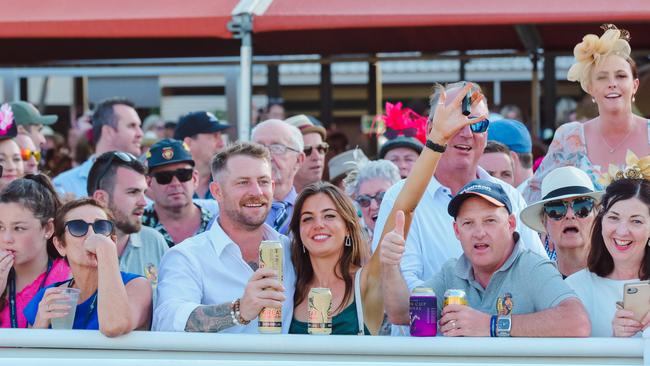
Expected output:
(210, 318)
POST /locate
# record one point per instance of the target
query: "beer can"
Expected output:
(320, 311)
(455, 296)
(270, 319)
(423, 311)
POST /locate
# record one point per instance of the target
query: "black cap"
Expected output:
(198, 122)
(490, 191)
(168, 151)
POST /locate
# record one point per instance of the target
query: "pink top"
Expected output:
(59, 272)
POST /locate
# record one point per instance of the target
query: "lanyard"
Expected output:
(12, 292)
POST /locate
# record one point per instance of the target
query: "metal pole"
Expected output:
(245, 88)
(534, 123)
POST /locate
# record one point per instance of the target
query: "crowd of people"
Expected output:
(167, 238)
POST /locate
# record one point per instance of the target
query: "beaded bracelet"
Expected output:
(236, 315)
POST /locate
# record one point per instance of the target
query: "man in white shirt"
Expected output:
(211, 282)
(431, 240)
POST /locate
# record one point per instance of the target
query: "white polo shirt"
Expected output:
(208, 269)
(431, 240)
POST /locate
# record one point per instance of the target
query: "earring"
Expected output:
(593, 100)
(303, 249)
(348, 241)
(633, 99)
(648, 242)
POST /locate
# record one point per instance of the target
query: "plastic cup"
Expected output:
(67, 321)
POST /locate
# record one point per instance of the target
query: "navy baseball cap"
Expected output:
(490, 191)
(198, 122)
(513, 134)
(168, 151)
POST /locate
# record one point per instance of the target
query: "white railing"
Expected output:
(90, 348)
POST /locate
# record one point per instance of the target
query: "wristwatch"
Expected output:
(504, 324)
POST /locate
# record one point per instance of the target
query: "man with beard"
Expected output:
(117, 180)
(212, 282)
(172, 180)
(315, 148)
(285, 143)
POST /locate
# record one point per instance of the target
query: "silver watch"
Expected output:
(504, 324)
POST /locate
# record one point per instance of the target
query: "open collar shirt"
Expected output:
(431, 240)
(75, 180)
(208, 269)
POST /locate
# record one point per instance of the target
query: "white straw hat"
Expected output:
(560, 183)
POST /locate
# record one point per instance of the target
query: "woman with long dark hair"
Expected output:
(28, 259)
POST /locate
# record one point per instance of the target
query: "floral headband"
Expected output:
(6, 120)
(635, 168)
(592, 50)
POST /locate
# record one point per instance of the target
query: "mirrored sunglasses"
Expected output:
(581, 207)
(365, 200)
(164, 178)
(79, 228)
(321, 148)
(27, 154)
(480, 126)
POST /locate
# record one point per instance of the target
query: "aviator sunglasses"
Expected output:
(120, 155)
(164, 178)
(581, 207)
(79, 228)
(321, 148)
(26, 154)
(480, 126)
(365, 200)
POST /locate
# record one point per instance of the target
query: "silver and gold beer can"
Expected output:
(270, 319)
(320, 311)
(455, 296)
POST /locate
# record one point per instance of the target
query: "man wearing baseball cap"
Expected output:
(30, 121)
(172, 180)
(510, 291)
(201, 132)
(516, 137)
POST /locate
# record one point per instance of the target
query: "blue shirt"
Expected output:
(85, 317)
(277, 210)
(74, 180)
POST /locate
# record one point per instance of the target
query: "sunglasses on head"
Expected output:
(581, 207)
(480, 126)
(391, 133)
(321, 148)
(108, 162)
(164, 178)
(27, 154)
(79, 228)
(365, 200)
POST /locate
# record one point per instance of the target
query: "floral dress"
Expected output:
(568, 148)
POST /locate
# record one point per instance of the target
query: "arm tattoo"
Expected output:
(210, 318)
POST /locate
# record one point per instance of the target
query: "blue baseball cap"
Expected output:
(195, 123)
(490, 191)
(511, 133)
(168, 151)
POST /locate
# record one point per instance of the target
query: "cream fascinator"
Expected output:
(635, 168)
(593, 49)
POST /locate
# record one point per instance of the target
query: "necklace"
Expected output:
(612, 149)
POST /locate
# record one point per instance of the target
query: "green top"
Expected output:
(346, 322)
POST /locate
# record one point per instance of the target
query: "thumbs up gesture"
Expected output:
(393, 243)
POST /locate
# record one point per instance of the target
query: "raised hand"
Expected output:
(393, 243)
(264, 290)
(95, 240)
(448, 118)
(6, 262)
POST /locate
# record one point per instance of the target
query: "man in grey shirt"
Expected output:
(510, 291)
(117, 179)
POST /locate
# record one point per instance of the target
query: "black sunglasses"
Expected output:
(79, 228)
(407, 132)
(365, 200)
(480, 126)
(108, 160)
(183, 175)
(321, 148)
(581, 207)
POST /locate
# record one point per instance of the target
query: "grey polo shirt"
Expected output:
(143, 253)
(533, 282)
